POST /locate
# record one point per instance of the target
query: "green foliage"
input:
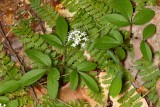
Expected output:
(143, 16)
(9, 86)
(4, 99)
(31, 77)
(8, 69)
(141, 3)
(32, 40)
(13, 103)
(113, 56)
(150, 75)
(90, 82)
(116, 82)
(149, 31)
(74, 77)
(120, 52)
(62, 28)
(98, 97)
(106, 46)
(52, 82)
(70, 4)
(124, 7)
(28, 37)
(107, 42)
(9, 82)
(39, 57)
(24, 99)
(45, 11)
(146, 51)
(91, 10)
(130, 97)
(53, 40)
(117, 20)
(58, 103)
(86, 66)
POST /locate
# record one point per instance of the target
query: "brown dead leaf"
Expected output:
(142, 90)
(66, 94)
(158, 88)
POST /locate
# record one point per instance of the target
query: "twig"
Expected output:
(4, 35)
(15, 24)
(10, 47)
(40, 22)
(34, 95)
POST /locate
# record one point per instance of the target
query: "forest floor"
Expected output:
(10, 13)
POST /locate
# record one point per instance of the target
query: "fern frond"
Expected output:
(47, 102)
(70, 4)
(150, 74)
(46, 12)
(89, 11)
(75, 57)
(142, 3)
(30, 39)
(8, 69)
(129, 98)
(102, 97)
(23, 98)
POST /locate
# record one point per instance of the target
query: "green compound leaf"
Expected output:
(31, 77)
(13, 103)
(116, 85)
(124, 7)
(117, 20)
(149, 31)
(90, 82)
(146, 51)
(52, 40)
(52, 83)
(61, 28)
(39, 57)
(9, 86)
(73, 80)
(107, 42)
(143, 16)
(86, 66)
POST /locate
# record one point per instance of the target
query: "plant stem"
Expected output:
(130, 31)
(64, 60)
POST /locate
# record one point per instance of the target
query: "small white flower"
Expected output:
(78, 37)
(83, 45)
(2, 105)
(74, 45)
(69, 37)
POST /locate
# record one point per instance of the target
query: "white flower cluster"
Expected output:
(78, 37)
(2, 105)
